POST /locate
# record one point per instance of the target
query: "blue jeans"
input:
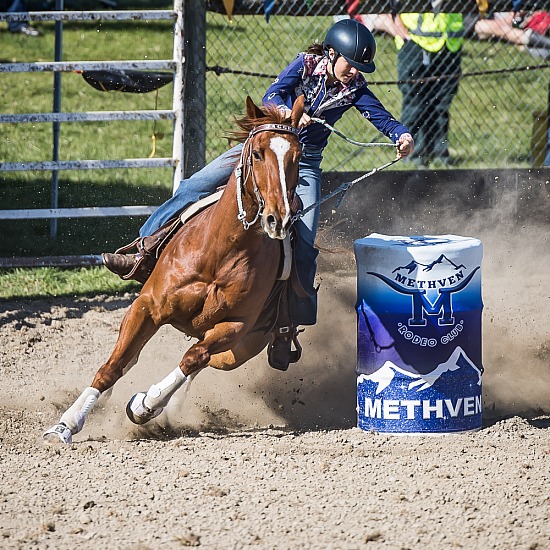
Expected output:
(217, 173)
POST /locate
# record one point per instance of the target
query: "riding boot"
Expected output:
(140, 265)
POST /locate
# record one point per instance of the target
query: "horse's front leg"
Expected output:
(145, 406)
(136, 330)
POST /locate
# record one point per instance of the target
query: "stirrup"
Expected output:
(297, 353)
(288, 335)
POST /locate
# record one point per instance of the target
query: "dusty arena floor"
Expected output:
(262, 459)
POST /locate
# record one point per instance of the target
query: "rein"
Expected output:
(344, 187)
(285, 129)
(349, 140)
(341, 190)
(247, 165)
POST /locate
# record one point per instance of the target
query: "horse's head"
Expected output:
(270, 163)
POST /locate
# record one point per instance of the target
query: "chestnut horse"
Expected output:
(214, 277)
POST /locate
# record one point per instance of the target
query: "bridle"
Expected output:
(244, 169)
(285, 129)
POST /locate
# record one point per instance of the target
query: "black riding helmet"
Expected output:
(354, 42)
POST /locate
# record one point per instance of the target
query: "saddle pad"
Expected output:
(200, 205)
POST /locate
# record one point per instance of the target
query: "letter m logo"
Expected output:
(442, 307)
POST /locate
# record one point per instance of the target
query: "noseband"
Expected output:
(246, 162)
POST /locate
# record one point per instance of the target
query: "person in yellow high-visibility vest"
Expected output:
(429, 67)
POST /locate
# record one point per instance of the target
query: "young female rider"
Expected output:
(329, 76)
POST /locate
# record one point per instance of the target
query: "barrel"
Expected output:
(419, 308)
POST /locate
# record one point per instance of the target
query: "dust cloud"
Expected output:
(320, 391)
(511, 219)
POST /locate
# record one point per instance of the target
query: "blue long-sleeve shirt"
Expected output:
(307, 75)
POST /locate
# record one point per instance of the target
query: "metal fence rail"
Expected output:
(111, 15)
(70, 66)
(89, 116)
(176, 114)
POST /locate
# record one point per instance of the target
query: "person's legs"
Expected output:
(156, 228)
(443, 91)
(303, 310)
(500, 26)
(415, 106)
(16, 7)
(196, 187)
(23, 27)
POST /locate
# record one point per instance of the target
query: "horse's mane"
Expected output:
(272, 115)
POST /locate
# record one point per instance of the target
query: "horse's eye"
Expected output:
(256, 155)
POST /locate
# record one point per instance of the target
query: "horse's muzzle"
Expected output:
(274, 227)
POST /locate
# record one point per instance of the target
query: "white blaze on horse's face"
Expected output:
(280, 146)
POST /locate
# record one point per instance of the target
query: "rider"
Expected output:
(329, 76)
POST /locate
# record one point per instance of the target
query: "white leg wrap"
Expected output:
(76, 414)
(159, 394)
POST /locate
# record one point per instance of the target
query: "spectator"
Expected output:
(429, 67)
(375, 22)
(22, 27)
(531, 30)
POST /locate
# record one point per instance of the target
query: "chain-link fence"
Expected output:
(498, 117)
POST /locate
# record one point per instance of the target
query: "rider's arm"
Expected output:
(282, 92)
(372, 109)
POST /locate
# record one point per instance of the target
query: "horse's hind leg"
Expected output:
(136, 330)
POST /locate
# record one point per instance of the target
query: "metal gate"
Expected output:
(57, 67)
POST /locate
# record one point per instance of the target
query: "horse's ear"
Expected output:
(297, 111)
(252, 110)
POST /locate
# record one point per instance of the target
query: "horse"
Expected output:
(213, 278)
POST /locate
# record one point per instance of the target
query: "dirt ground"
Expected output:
(262, 459)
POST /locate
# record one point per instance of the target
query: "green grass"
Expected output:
(491, 126)
(48, 282)
(32, 92)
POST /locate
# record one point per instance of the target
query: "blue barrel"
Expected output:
(419, 311)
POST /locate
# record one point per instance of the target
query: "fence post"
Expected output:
(56, 128)
(195, 86)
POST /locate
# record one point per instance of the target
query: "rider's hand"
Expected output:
(304, 121)
(405, 146)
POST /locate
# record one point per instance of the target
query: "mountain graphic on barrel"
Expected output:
(395, 399)
(441, 261)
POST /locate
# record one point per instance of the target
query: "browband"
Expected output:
(283, 128)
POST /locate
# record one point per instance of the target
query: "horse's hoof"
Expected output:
(137, 412)
(58, 434)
